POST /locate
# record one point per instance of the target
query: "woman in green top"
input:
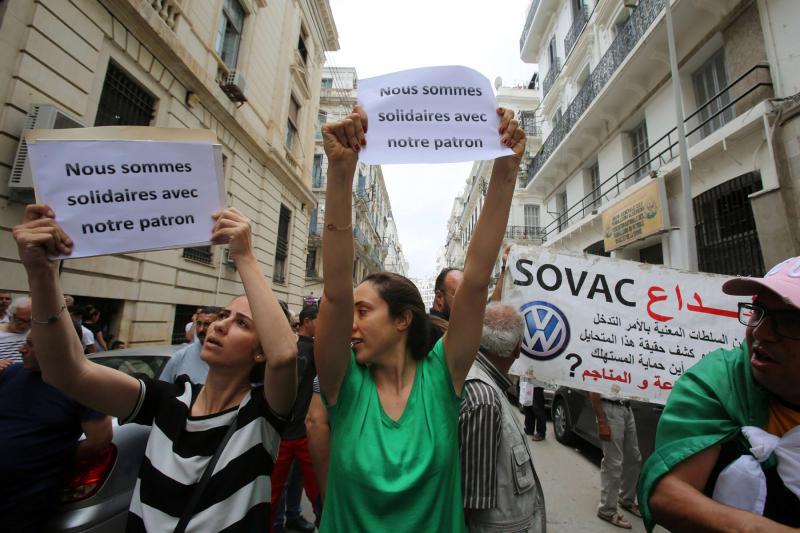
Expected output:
(393, 406)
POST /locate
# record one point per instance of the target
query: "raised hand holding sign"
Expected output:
(430, 115)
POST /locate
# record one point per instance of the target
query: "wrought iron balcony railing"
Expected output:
(525, 232)
(625, 41)
(530, 124)
(578, 23)
(552, 74)
(665, 148)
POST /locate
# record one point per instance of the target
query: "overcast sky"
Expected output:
(378, 37)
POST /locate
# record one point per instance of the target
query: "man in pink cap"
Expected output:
(727, 454)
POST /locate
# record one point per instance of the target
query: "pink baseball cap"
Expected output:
(783, 280)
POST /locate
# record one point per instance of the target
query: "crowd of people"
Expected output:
(389, 416)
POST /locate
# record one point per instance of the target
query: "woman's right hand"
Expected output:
(39, 236)
(343, 140)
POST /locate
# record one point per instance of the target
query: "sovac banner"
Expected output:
(621, 328)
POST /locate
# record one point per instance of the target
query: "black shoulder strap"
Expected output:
(188, 512)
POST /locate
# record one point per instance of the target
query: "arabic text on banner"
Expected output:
(620, 328)
(430, 115)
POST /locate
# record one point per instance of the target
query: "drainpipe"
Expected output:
(689, 240)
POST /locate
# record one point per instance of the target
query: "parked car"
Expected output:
(98, 490)
(574, 418)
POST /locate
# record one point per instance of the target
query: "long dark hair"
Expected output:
(400, 294)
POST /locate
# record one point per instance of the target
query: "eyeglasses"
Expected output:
(784, 323)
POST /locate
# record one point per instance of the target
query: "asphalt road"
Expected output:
(570, 479)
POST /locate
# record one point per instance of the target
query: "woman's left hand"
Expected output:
(232, 228)
(511, 135)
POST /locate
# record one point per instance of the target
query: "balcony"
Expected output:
(539, 15)
(626, 40)
(552, 74)
(578, 23)
(525, 233)
(741, 95)
(530, 125)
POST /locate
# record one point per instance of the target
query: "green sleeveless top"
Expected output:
(387, 475)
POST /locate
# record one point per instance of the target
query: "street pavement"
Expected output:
(570, 479)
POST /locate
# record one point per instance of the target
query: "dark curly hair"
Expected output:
(400, 294)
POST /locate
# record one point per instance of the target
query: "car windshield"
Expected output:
(149, 365)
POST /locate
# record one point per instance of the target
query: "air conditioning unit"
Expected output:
(40, 117)
(233, 85)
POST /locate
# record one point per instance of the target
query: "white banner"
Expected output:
(116, 196)
(430, 115)
(620, 328)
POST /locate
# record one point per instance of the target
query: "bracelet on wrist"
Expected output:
(51, 320)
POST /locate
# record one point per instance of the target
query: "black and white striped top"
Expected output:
(9, 346)
(179, 448)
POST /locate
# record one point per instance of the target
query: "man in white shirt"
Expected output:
(13, 332)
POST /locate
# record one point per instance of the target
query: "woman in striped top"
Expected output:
(189, 421)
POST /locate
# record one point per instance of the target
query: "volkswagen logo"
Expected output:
(546, 330)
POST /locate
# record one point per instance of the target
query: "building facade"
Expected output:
(524, 219)
(609, 114)
(377, 246)
(248, 70)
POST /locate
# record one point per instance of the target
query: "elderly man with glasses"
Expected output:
(727, 454)
(12, 333)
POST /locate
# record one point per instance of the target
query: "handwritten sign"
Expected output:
(638, 216)
(430, 115)
(130, 194)
(620, 328)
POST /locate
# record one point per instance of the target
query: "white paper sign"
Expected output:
(620, 328)
(430, 115)
(125, 196)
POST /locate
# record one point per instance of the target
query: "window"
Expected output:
(282, 246)
(311, 263)
(641, 151)
(531, 217)
(597, 248)
(594, 183)
(551, 53)
(561, 209)
(229, 34)
(199, 254)
(327, 83)
(709, 80)
(291, 123)
(301, 46)
(727, 239)
(312, 223)
(322, 118)
(183, 315)
(577, 7)
(123, 102)
(316, 172)
(652, 255)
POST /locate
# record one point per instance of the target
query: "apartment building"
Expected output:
(377, 246)
(610, 158)
(249, 70)
(525, 217)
